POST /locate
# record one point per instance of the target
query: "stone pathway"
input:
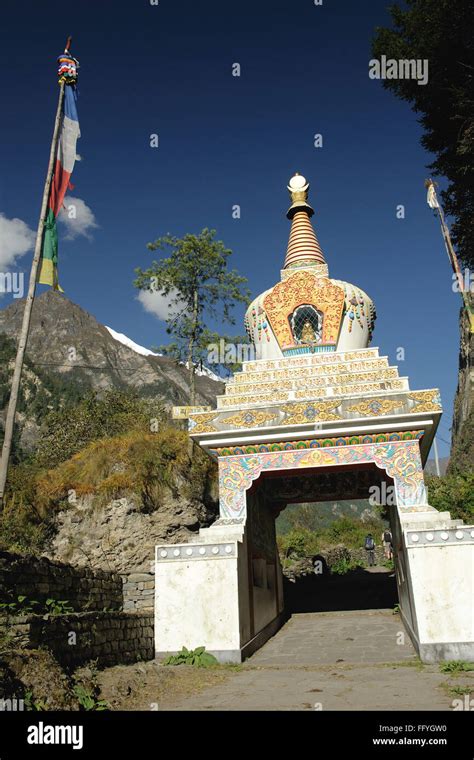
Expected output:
(320, 638)
(353, 660)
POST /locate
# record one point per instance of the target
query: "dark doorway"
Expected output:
(315, 586)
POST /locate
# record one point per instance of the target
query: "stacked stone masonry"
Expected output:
(111, 638)
(138, 592)
(38, 579)
(112, 620)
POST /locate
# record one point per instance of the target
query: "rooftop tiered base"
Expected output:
(317, 399)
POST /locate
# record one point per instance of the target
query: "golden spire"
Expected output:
(303, 246)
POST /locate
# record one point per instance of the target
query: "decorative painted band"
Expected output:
(320, 443)
(420, 538)
(170, 552)
(308, 350)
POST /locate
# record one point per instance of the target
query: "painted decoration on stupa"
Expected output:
(400, 460)
(304, 288)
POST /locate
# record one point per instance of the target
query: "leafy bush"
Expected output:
(343, 566)
(348, 531)
(300, 543)
(199, 658)
(88, 700)
(69, 430)
(21, 528)
(145, 464)
(351, 531)
(58, 607)
(19, 606)
(462, 451)
(453, 493)
(34, 705)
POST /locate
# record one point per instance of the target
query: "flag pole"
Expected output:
(25, 327)
(434, 203)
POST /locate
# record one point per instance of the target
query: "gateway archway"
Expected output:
(319, 590)
(317, 403)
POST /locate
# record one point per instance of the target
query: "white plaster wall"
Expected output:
(244, 594)
(197, 604)
(265, 600)
(357, 338)
(443, 589)
(402, 572)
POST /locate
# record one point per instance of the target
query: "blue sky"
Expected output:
(226, 140)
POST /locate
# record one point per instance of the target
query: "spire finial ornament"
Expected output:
(303, 246)
(298, 189)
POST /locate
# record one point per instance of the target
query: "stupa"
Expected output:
(318, 414)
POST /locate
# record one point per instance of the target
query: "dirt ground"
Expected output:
(345, 660)
(152, 686)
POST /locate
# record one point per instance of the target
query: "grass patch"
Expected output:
(418, 664)
(455, 667)
(461, 690)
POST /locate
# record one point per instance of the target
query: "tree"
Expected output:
(199, 286)
(441, 32)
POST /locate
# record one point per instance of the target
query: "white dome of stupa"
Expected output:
(307, 311)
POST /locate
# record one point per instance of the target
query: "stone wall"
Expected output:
(111, 638)
(360, 555)
(139, 592)
(39, 578)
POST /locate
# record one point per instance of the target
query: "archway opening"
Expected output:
(313, 524)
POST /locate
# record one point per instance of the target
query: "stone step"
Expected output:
(251, 400)
(241, 378)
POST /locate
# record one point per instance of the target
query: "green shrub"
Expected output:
(69, 430)
(343, 566)
(19, 605)
(58, 607)
(22, 530)
(300, 543)
(88, 700)
(456, 666)
(34, 705)
(348, 531)
(137, 462)
(453, 493)
(199, 658)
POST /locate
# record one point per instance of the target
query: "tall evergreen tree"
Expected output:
(440, 31)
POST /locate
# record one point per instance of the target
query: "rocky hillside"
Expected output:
(68, 347)
(161, 495)
(118, 536)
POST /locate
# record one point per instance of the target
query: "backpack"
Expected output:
(387, 537)
(369, 543)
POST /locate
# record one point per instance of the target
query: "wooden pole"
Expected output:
(452, 257)
(436, 457)
(25, 327)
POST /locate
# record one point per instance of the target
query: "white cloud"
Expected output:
(16, 239)
(160, 305)
(77, 217)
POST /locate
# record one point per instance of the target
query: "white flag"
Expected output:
(431, 198)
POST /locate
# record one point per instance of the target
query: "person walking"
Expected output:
(369, 546)
(387, 542)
